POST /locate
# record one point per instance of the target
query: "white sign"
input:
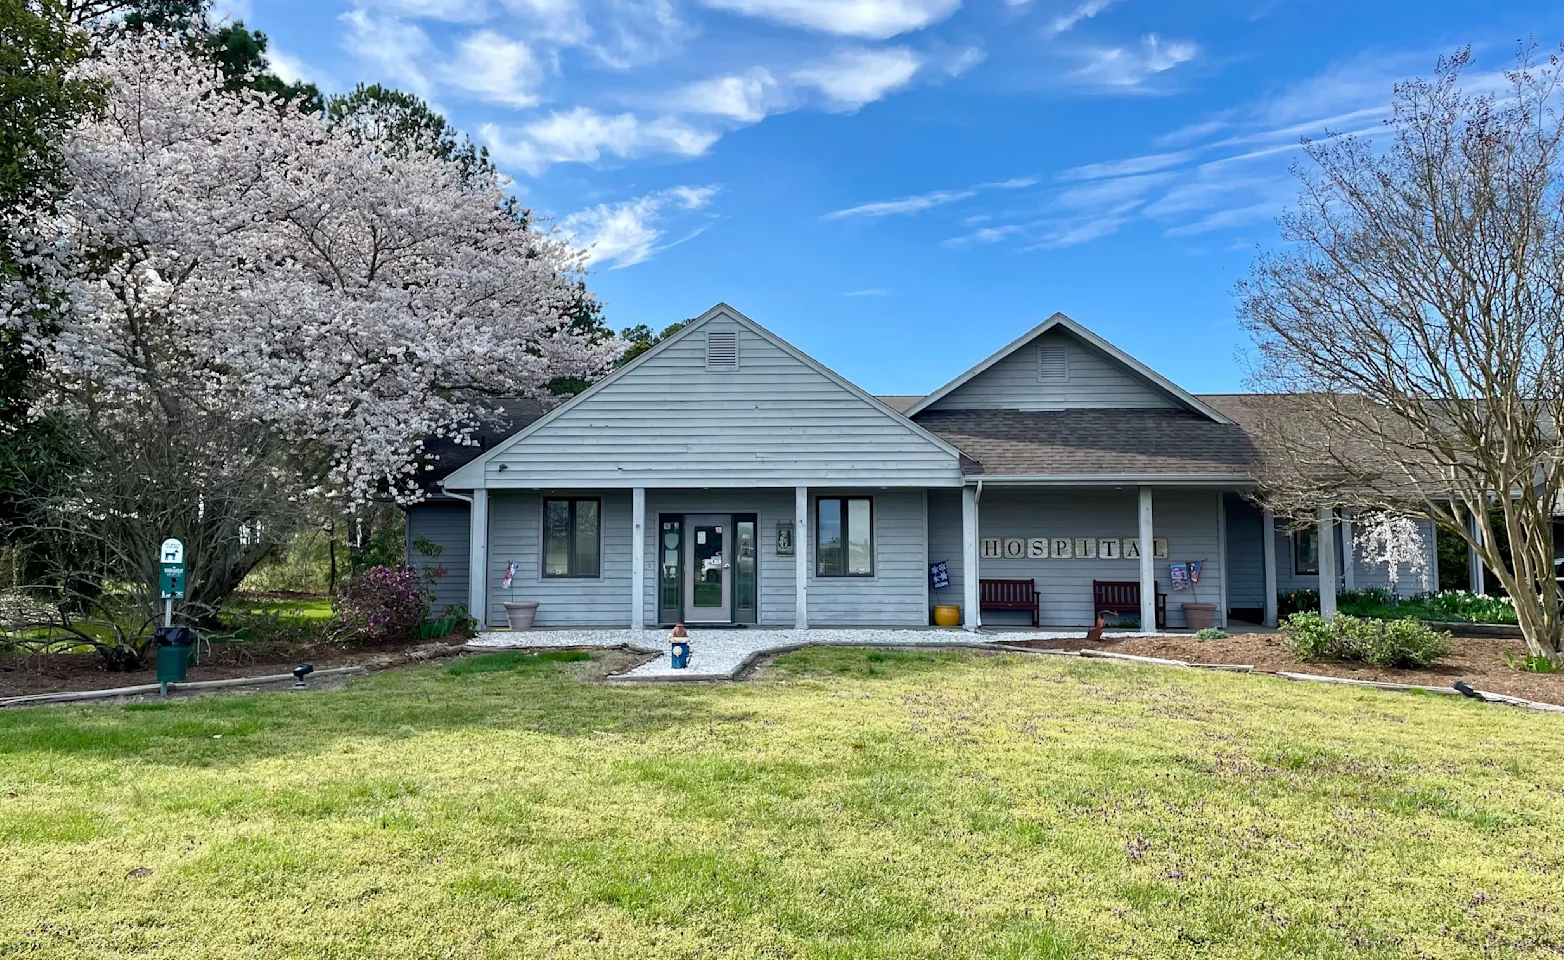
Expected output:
(1037, 549)
(1015, 548)
(172, 551)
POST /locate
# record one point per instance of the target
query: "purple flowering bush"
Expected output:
(380, 605)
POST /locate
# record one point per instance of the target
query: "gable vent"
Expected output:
(1053, 362)
(722, 350)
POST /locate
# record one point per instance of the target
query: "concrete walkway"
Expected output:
(722, 654)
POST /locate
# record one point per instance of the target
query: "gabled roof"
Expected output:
(471, 475)
(1060, 321)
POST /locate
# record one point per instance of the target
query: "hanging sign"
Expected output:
(1179, 574)
(171, 570)
(510, 575)
(1194, 570)
(939, 575)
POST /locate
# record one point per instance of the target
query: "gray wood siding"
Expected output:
(447, 524)
(515, 534)
(1187, 518)
(945, 543)
(773, 421)
(1245, 553)
(774, 573)
(894, 595)
(1094, 381)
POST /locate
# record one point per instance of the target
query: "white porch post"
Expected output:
(478, 559)
(638, 560)
(1474, 560)
(1348, 554)
(1221, 554)
(1268, 554)
(1148, 565)
(1326, 521)
(801, 557)
(970, 618)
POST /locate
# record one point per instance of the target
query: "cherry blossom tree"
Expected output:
(1395, 541)
(261, 298)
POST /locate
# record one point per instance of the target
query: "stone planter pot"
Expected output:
(521, 615)
(1199, 615)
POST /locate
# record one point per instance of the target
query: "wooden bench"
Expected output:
(1123, 596)
(1010, 595)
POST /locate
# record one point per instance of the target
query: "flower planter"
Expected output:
(1198, 616)
(947, 615)
(521, 615)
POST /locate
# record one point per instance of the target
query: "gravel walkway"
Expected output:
(720, 654)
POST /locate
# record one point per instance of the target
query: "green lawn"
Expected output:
(851, 803)
(289, 608)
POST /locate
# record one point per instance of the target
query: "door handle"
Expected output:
(727, 566)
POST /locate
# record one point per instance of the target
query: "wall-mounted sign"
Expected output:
(785, 538)
(1059, 548)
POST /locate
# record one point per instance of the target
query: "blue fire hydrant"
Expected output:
(679, 646)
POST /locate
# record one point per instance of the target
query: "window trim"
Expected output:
(1297, 567)
(873, 548)
(570, 553)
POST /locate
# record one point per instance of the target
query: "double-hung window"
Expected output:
(572, 541)
(844, 537)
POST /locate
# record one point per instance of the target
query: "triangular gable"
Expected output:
(1010, 378)
(667, 419)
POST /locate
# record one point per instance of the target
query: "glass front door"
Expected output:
(708, 586)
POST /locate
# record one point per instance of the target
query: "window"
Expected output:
(844, 537)
(571, 541)
(1306, 552)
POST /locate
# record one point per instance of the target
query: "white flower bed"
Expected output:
(719, 654)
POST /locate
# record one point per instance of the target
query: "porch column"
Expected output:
(1348, 555)
(970, 614)
(638, 559)
(1474, 560)
(1325, 519)
(478, 559)
(1148, 566)
(801, 557)
(1268, 556)
(1221, 554)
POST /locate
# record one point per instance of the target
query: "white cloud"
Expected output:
(496, 68)
(747, 97)
(633, 33)
(925, 201)
(392, 44)
(583, 135)
(1127, 68)
(985, 235)
(1127, 167)
(450, 11)
(914, 204)
(560, 22)
(856, 77)
(867, 292)
(870, 19)
(291, 69)
(1119, 193)
(1085, 11)
(627, 233)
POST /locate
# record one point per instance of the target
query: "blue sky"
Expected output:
(900, 187)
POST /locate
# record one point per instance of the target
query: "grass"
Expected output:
(849, 803)
(291, 608)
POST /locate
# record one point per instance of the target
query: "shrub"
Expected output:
(454, 618)
(1534, 662)
(274, 626)
(382, 604)
(1211, 633)
(1385, 643)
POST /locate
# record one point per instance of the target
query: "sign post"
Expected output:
(171, 578)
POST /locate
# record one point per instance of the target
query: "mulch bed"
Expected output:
(56, 672)
(1478, 661)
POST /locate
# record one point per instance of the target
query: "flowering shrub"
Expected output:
(381, 604)
(1385, 643)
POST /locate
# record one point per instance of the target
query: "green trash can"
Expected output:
(173, 654)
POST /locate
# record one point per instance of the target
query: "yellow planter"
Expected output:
(947, 615)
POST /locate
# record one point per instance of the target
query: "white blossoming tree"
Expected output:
(243, 309)
(1395, 541)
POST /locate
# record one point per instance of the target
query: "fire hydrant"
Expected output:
(679, 645)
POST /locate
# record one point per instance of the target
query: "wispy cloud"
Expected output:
(924, 201)
(1129, 68)
(1127, 167)
(583, 135)
(746, 97)
(1085, 11)
(869, 19)
(854, 78)
(392, 45)
(496, 68)
(629, 232)
(867, 292)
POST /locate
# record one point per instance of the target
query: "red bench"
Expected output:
(1123, 596)
(1010, 595)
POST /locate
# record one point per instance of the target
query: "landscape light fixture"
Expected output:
(300, 672)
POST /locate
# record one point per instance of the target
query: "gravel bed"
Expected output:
(719, 654)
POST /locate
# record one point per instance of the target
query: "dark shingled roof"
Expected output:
(900, 403)
(1092, 442)
(445, 454)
